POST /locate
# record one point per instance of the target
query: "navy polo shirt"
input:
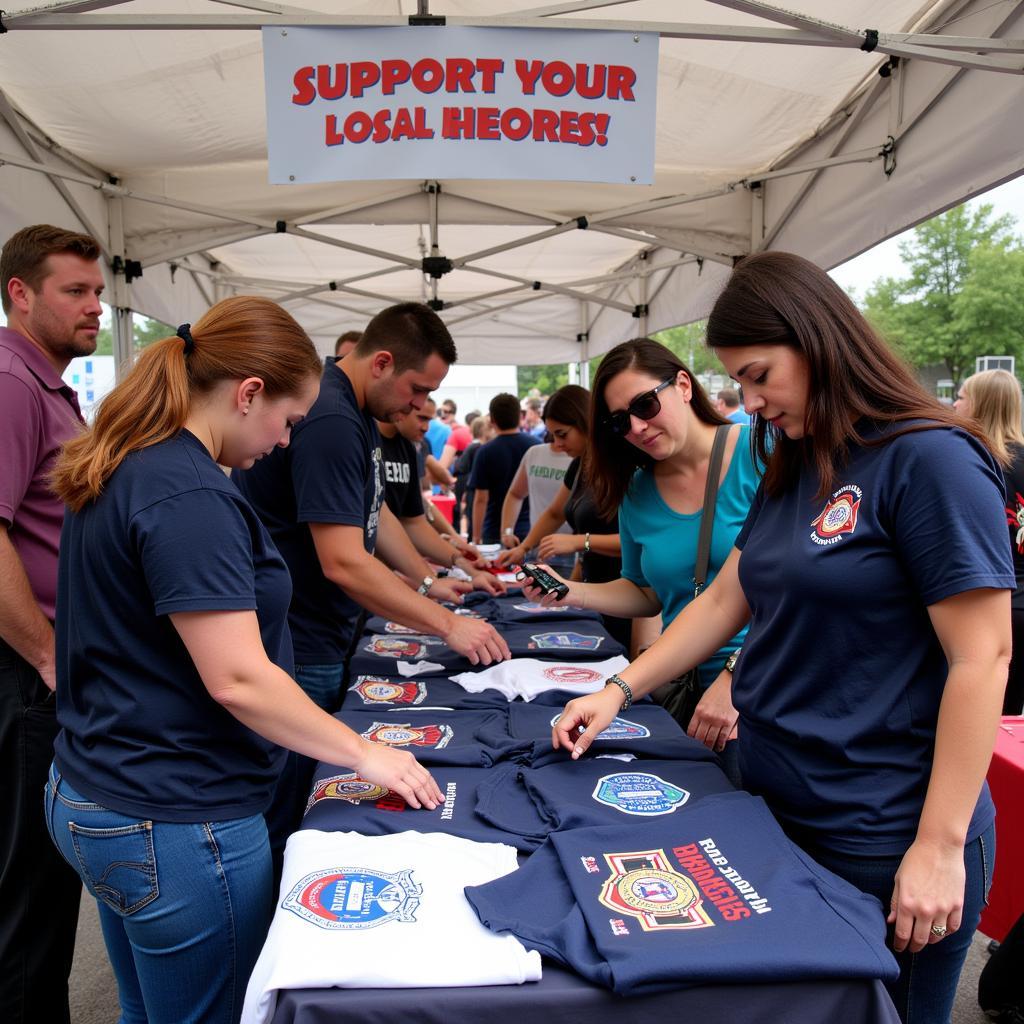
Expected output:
(839, 684)
(140, 733)
(330, 473)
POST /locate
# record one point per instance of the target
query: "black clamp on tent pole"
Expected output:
(580, 338)
(870, 40)
(426, 19)
(888, 155)
(281, 227)
(3, 27)
(886, 70)
(436, 304)
(582, 223)
(639, 311)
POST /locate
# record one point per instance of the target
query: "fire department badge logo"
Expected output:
(375, 690)
(348, 787)
(838, 517)
(564, 641)
(348, 898)
(618, 729)
(405, 734)
(643, 885)
(414, 646)
(639, 793)
(571, 675)
(397, 627)
(536, 607)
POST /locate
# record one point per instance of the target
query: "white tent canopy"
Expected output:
(142, 122)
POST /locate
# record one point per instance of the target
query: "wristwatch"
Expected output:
(428, 582)
(508, 531)
(616, 680)
(730, 662)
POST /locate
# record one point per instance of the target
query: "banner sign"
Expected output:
(433, 102)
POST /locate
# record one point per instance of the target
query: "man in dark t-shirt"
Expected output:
(403, 496)
(322, 499)
(494, 469)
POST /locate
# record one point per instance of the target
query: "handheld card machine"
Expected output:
(540, 578)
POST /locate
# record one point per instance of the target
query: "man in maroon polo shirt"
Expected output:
(51, 282)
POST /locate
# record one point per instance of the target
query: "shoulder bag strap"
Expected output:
(707, 523)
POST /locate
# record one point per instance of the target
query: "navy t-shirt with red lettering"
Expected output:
(839, 684)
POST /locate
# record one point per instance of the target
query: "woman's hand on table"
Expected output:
(928, 894)
(513, 555)
(585, 718)
(714, 718)
(555, 544)
(400, 773)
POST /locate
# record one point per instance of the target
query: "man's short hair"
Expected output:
(25, 252)
(534, 404)
(471, 416)
(479, 427)
(729, 397)
(411, 332)
(449, 403)
(504, 410)
(345, 339)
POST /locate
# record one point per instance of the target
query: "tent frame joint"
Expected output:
(131, 269)
(888, 155)
(436, 266)
(640, 310)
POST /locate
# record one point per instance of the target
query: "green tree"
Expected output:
(144, 330)
(546, 379)
(962, 297)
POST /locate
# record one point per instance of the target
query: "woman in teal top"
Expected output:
(659, 543)
(652, 429)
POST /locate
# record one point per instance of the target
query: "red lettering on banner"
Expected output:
(529, 72)
(489, 67)
(458, 123)
(393, 73)
(328, 89)
(487, 126)
(515, 124)
(594, 89)
(545, 126)
(459, 75)
(620, 82)
(304, 91)
(363, 75)
(427, 75)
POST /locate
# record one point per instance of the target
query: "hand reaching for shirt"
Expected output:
(488, 583)
(401, 773)
(477, 640)
(555, 544)
(449, 590)
(584, 718)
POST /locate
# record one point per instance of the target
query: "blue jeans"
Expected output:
(184, 907)
(323, 684)
(926, 988)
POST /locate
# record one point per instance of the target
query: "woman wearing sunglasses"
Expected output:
(652, 433)
(875, 574)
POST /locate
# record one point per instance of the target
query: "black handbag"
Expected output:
(680, 696)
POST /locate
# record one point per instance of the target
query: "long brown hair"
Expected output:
(855, 379)
(996, 405)
(570, 406)
(611, 460)
(245, 336)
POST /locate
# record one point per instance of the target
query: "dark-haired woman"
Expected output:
(875, 574)
(174, 692)
(653, 428)
(594, 537)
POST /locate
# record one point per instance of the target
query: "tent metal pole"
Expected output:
(567, 8)
(204, 239)
(10, 115)
(330, 286)
(357, 207)
(583, 365)
(120, 307)
(644, 237)
(557, 288)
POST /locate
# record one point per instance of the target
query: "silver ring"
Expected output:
(939, 930)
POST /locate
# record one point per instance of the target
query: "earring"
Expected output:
(245, 411)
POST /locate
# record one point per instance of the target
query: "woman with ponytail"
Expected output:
(174, 688)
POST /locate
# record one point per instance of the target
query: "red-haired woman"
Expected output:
(174, 692)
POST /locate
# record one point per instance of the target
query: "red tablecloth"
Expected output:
(445, 504)
(1006, 780)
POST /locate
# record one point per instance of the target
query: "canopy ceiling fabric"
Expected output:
(177, 115)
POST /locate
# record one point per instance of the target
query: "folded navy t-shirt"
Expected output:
(709, 896)
(601, 790)
(375, 691)
(437, 736)
(341, 801)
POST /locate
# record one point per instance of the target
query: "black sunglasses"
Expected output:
(643, 407)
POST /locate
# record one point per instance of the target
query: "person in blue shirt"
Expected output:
(875, 573)
(728, 405)
(652, 431)
(174, 663)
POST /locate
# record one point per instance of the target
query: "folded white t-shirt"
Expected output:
(526, 677)
(384, 912)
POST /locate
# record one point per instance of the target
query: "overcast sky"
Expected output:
(884, 259)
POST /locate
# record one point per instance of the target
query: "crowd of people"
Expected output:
(822, 579)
